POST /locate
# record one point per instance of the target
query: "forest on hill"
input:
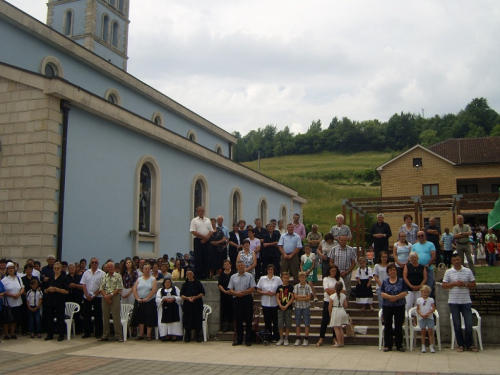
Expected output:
(399, 133)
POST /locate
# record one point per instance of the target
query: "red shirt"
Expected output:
(491, 247)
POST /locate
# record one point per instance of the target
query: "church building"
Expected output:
(93, 161)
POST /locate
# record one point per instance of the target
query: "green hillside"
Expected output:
(325, 179)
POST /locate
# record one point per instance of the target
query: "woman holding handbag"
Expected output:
(12, 301)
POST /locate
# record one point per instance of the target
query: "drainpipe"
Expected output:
(65, 108)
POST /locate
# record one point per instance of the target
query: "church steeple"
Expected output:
(99, 25)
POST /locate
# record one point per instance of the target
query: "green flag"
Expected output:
(494, 216)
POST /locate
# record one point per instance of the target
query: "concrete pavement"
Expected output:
(79, 356)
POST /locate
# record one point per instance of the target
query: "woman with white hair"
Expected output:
(415, 276)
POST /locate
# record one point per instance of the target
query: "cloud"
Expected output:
(243, 65)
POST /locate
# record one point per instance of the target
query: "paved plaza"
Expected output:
(79, 356)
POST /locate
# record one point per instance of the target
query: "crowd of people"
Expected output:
(279, 263)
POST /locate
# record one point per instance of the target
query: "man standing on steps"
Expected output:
(290, 245)
(345, 258)
(241, 286)
(201, 229)
(340, 229)
(461, 233)
(433, 232)
(381, 232)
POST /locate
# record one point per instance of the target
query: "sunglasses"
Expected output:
(421, 235)
(94, 262)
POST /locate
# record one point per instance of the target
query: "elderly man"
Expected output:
(241, 286)
(270, 250)
(426, 255)
(47, 271)
(289, 246)
(220, 224)
(340, 229)
(201, 229)
(461, 233)
(92, 299)
(314, 238)
(459, 280)
(381, 231)
(433, 232)
(345, 258)
(110, 288)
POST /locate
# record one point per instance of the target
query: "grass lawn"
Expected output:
(325, 179)
(488, 274)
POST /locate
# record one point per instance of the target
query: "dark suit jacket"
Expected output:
(233, 251)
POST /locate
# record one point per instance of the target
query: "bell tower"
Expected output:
(101, 26)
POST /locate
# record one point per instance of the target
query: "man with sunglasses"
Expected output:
(426, 255)
(91, 282)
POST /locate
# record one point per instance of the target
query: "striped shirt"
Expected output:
(459, 295)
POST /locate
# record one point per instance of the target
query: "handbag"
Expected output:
(349, 328)
(439, 272)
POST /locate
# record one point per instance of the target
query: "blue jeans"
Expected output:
(35, 323)
(491, 259)
(457, 311)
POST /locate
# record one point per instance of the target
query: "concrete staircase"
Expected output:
(366, 318)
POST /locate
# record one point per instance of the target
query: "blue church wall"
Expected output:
(27, 51)
(100, 190)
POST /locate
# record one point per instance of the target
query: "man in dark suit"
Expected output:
(236, 238)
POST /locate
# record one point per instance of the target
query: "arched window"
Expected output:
(192, 136)
(51, 67)
(218, 149)
(105, 28)
(158, 118)
(199, 193)
(68, 23)
(147, 208)
(113, 96)
(283, 215)
(50, 71)
(145, 199)
(236, 205)
(263, 209)
(114, 35)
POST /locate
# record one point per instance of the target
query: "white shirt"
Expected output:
(33, 297)
(329, 282)
(36, 273)
(425, 308)
(459, 295)
(13, 285)
(92, 281)
(267, 285)
(202, 226)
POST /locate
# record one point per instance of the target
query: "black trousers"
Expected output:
(226, 308)
(396, 313)
(243, 312)
(271, 320)
(201, 259)
(56, 312)
(325, 319)
(96, 312)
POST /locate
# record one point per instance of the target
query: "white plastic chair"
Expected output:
(125, 315)
(381, 329)
(207, 310)
(71, 308)
(475, 329)
(416, 328)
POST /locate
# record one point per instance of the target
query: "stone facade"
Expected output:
(30, 160)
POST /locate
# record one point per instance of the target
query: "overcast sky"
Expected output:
(246, 64)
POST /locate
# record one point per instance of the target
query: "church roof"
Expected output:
(464, 151)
